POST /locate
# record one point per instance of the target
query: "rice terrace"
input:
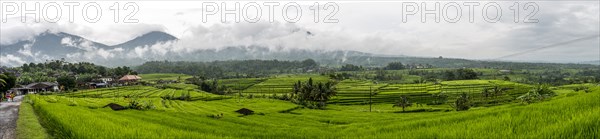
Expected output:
(384, 70)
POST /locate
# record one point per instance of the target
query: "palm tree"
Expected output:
(530, 97)
(543, 89)
(2, 81)
(323, 92)
(538, 93)
(320, 94)
(497, 90)
(486, 93)
(403, 102)
(462, 102)
(2, 84)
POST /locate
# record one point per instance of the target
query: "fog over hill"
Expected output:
(159, 46)
(56, 45)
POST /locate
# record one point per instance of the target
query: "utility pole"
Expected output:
(441, 87)
(370, 98)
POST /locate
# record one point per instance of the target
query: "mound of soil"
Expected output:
(115, 107)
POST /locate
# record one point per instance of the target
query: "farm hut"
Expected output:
(115, 107)
(245, 111)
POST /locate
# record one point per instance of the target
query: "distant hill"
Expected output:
(51, 46)
(597, 62)
(55, 44)
(147, 39)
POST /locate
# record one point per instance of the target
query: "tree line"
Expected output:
(66, 72)
(228, 69)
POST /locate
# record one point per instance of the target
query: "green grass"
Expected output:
(575, 116)
(356, 92)
(181, 86)
(28, 125)
(240, 84)
(281, 84)
(173, 90)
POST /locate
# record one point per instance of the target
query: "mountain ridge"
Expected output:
(51, 46)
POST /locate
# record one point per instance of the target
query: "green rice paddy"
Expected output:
(571, 114)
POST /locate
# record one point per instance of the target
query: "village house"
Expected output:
(34, 88)
(130, 79)
(505, 71)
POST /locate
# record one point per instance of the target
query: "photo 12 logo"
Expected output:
(253, 12)
(453, 12)
(92, 12)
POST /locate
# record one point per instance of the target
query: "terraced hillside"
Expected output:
(569, 115)
(281, 84)
(356, 92)
(139, 92)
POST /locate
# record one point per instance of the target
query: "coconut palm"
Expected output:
(2, 81)
(486, 93)
(497, 91)
(323, 92)
(462, 102)
(538, 93)
(403, 102)
(307, 92)
(530, 97)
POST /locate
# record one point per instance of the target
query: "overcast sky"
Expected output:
(374, 27)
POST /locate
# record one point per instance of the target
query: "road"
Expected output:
(9, 112)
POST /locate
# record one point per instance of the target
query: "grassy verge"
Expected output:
(28, 125)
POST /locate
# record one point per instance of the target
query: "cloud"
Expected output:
(367, 27)
(119, 33)
(14, 30)
(26, 51)
(11, 60)
(79, 43)
(111, 34)
(97, 54)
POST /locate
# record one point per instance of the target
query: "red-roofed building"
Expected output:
(130, 78)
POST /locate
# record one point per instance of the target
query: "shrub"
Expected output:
(51, 99)
(216, 116)
(529, 97)
(439, 99)
(538, 93)
(138, 105)
(462, 103)
(72, 103)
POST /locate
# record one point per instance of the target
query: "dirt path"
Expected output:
(9, 112)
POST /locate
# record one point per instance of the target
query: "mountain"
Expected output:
(147, 39)
(56, 44)
(597, 62)
(232, 53)
(51, 46)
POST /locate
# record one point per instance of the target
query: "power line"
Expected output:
(550, 46)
